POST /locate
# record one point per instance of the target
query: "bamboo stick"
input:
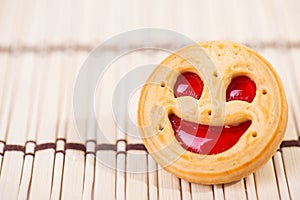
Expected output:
(89, 161)
(106, 177)
(86, 15)
(57, 175)
(10, 17)
(3, 70)
(217, 14)
(250, 187)
(67, 80)
(31, 24)
(279, 59)
(26, 173)
(199, 191)
(13, 160)
(289, 11)
(155, 16)
(121, 176)
(152, 179)
(218, 192)
(190, 13)
(280, 175)
(121, 144)
(136, 163)
(105, 169)
(3, 74)
(185, 189)
(295, 95)
(270, 22)
(89, 32)
(73, 174)
(291, 157)
(238, 15)
(265, 180)
(136, 180)
(55, 17)
(57, 21)
(10, 178)
(266, 26)
(72, 17)
(235, 190)
(31, 131)
(169, 185)
(46, 131)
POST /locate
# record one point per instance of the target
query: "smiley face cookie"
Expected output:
(216, 122)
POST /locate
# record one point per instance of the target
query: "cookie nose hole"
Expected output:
(215, 74)
(162, 84)
(160, 127)
(254, 134)
(264, 92)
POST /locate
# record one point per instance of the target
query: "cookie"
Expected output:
(213, 112)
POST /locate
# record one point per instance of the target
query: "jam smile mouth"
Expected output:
(205, 139)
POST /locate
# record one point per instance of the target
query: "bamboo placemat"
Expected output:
(43, 45)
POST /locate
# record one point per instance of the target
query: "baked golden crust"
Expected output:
(219, 62)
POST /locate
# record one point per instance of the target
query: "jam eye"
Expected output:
(188, 84)
(241, 88)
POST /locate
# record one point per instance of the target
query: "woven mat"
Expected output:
(42, 47)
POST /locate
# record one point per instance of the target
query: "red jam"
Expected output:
(205, 139)
(188, 84)
(241, 88)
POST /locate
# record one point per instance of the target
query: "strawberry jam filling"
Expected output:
(205, 139)
(188, 84)
(241, 88)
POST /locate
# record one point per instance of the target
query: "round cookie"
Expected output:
(217, 124)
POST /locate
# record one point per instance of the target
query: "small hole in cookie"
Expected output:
(215, 74)
(209, 112)
(219, 54)
(254, 134)
(160, 128)
(264, 92)
(162, 84)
